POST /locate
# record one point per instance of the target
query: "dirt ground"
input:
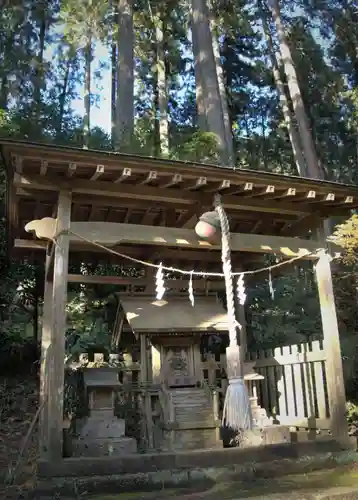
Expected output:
(18, 405)
(328, 485)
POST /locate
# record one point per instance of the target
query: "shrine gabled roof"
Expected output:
(131, 189)
(175, 314)
(80, 160)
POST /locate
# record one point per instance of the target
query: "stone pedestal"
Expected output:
(102, 433)
(272, 434)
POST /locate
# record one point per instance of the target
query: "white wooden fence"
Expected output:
(293, 391)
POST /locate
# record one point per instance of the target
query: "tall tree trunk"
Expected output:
(39, 73)
(125, 75)
(201, 118)
(113, 91)
(113, 55)
(205, 60)
(87, 98)
(314, 168)
(162, 87)
(156, 113)
(289, 120)
(62, 97)
(222, 90)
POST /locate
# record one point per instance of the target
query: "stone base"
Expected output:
(273, 434)
(102, 435)
(191, 439)
(101, 426)
(104, 447)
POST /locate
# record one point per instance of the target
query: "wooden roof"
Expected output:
(116, 187)
(176, 314)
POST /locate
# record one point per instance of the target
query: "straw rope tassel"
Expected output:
(237, 411)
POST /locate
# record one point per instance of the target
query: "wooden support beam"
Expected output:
(331, 345)
(142, 282)
(223, 185)
(95, 213)
(302, 226)
(197, 184)
(171, 217)
(99, 171)
(72, 167)
(309, 196)
(175, 181)
(17, 161)
(128, 215)
(110, 234)
(268, 190)
(329, 197)
(152, 176)
(290, 193)
(56, 386)
(44, 167)
(155, 194)
(211, 256)
(148, 217)
(126, 174)
(246, 188)
(190, 217)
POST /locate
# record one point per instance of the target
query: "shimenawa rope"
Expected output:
(237, 411)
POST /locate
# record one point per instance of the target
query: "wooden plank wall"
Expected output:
(294, 389)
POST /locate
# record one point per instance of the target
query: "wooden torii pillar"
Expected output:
(53, 338)
(332, 348)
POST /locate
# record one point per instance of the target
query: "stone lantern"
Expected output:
(102, 433)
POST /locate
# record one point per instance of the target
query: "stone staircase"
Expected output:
(194, 420)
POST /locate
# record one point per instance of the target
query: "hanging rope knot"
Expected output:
(226, 260)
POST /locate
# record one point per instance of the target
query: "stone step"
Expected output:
(104, 447)
(198, 407)
(192, 410)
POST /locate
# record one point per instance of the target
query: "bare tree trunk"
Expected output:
(39, 72)
(289, 121)
(113, 56)
(205, 60)
(162, 88)
(62, 97)
(156, 113)
(314, 169)
(87, 96)
(113, 91)
(201, 120)
(223, 96)
(125, 75)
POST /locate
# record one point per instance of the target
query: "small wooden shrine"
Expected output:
(65, 203)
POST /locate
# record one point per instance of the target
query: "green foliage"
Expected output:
(90, 322)
(346, 236)
(200, 147)
(288, 315)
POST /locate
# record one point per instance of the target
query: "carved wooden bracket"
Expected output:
(44, 229)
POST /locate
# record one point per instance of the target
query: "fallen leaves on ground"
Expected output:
(18, 405)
